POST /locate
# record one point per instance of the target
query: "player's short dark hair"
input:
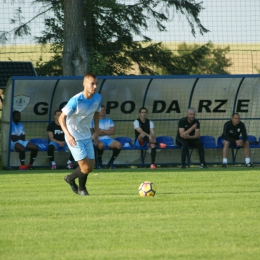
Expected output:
(90, 75)
(57, 110)
(16, 112)
(235, 114)
(142, 109)
(103, 106)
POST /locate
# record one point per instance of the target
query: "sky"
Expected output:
(229, 21)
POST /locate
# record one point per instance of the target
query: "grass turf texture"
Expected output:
(196, 214)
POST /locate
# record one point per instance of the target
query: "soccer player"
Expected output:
(188, 134)
(57, 141)
(231, 132)
(106, 128)
(145, 134)
(19, 144)
(75, 121)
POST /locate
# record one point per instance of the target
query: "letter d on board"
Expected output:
(157, 103)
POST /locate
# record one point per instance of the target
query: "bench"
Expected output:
(209, 142)
(253, 142)
(42, 143)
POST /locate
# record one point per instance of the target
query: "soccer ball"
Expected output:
(147, 188)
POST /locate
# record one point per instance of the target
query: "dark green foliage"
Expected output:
(214, 60)
(110, 28)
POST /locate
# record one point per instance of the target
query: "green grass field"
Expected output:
(212, 213)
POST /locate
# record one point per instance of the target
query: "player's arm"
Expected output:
(62, 122)
(96, 128)
(92, 130)
(152, 133)
(153, 136)
(182, 133)
(16, 138)
(185, 134)
(196, 136)
(188, 131)
(110, 131)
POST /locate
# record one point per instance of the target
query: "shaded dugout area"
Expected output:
(167, 99)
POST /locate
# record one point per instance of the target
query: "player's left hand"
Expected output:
(95, 138)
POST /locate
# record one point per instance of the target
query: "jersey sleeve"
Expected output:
(136, 124)
(151, 124)
(70, 107)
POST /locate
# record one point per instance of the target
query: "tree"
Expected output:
(214, 61)
(97, 35)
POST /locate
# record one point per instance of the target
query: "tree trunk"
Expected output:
(75, 55)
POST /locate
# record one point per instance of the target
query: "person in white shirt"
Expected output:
(106, 128)
(75, 121)
(145, 134)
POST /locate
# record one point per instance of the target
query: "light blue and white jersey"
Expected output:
(17, 129)
(104, 124)
(80, 112)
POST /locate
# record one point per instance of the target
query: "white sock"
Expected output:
(225, 160)
(247, 160)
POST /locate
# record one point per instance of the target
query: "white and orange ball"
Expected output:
(146, 189)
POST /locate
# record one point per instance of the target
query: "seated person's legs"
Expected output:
(225, 149)
(100, 149)
(50, 152)
(18, 147)
(34, 151)
(183, 143)
(141, 143)
(247, 154)
(197, 143)
(247, 149)
(144, 141)
(116, 147)
(108, 143)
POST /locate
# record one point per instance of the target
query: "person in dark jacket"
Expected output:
(232, 130)
(188, 134)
